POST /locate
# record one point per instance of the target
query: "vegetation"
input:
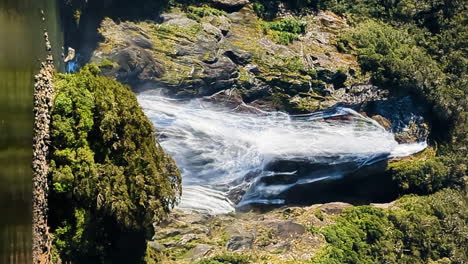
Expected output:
(284, 31)
(429, 229)
(198, 13)
(111, 180)
(226, 259)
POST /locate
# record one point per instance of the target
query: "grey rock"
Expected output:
(239, 242)
(218, 76)
(405, 116)
(135, 65)
(199, 251)
(177, 19)
(212, 30)
(289, 229)
(158, 247)
(142, 42)
(187, 238)
(334, 208)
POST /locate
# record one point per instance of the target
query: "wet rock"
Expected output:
(218, 76)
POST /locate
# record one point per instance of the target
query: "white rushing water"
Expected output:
(222, 150)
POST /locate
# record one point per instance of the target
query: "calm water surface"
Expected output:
(21, 49)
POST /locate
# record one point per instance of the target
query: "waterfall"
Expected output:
(261, 155)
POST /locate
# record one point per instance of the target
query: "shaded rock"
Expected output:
(229, 5)
(239, 56)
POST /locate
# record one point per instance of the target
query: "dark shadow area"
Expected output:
(81, 20)
(369, 184)
(82, 242)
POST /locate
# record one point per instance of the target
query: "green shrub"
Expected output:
(108, 174)
(226, 259)
(284, 31)
(198, 13)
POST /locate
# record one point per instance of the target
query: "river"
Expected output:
(21, 50)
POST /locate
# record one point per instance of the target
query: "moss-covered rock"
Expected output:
(200, 50)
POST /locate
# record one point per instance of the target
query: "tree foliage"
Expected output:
(107, 171)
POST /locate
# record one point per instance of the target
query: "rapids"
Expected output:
(261, 155)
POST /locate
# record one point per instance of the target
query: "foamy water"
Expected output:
(216, 148)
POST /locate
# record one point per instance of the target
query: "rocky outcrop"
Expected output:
(191, 56)
(43, 96)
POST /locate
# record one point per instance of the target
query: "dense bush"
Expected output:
(416, 230)
(197, 13)
(110, 178)
(284, 31)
